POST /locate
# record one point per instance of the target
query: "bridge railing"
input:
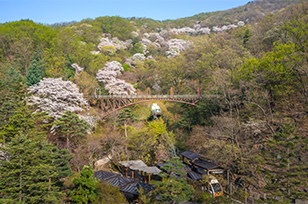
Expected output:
(147, 96)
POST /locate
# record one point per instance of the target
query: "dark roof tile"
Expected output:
(194, 176)
(190, 155)
(103, 175)
(119, 181)
(205, 164)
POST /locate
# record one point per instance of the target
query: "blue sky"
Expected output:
(52, 11)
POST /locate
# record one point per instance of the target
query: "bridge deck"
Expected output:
(151, 96)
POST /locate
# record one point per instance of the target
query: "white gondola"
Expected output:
(214, 186)
(155, 111)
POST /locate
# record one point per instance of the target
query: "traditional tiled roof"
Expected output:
(131, 188)
(205, 164)
(194, 176)
(150, 170)
(119, 181)
(140, 166)
(134, 165)
(190, 155)
(126, 185)
(103, 175)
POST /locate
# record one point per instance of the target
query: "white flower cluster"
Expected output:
(112, 84)
(176, 46)
(105, 76)
(78, 69)
(94, 52)
(134, 34)
(90, 119)
(197, 30)
(114, 66)
(4, 155)
(138, 56)
(114, 42)
(56, 96)
(224, 28)
(156, 87)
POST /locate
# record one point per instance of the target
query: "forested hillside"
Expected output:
(250, 63)
(252, 12)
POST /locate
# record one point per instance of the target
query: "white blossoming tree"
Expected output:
(176, 46)
(78, 69)
(56, 96)
(134, 34)
(105, 76)
(138, 56)
(112, 84)
(114, 66)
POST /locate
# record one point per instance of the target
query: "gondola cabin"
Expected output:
(155, 111)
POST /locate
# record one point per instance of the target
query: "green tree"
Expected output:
(138, 48)
(151, 139)
(23, 122)
(110, 194)
(188, 119)
(124, 117)
(86, 187)
(286, 174)
(70, 127)
(8, 105)
(14, 80)
(60, 160)
(34, 73)
(246, 36)
(276, 71)
(173, 73)
(27, 177)
(172, 187)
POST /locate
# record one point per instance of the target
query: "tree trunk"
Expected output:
(67, 143)
(125, 130)
(266, 118)
(20, 182)
(125, 133)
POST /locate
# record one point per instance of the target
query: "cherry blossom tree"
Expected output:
(134, 34)
(114, 66)
(105, 76)
(155, 37)
(78, 69)
(56, 96)
(112, 84)
(138, 56)
(176, 46)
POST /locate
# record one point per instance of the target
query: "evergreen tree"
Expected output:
(26, 123)
(86, 187)
(20, 123)
(110, 194)
(8, 105)
(286, 174)
(34, 74)
(14, 82)
(247, 36)
(172, 187)
(124, 117)
(27, 176)
(60, 160)
(70, 127)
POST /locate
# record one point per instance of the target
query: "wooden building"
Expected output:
(199, 164)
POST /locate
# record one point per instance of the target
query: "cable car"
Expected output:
(155, 111)
(214, 186)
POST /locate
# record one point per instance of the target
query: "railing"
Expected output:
(147, 96)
